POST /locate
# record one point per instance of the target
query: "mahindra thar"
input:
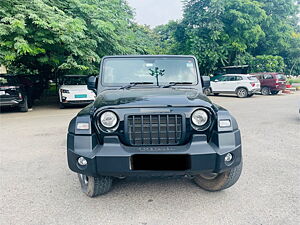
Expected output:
(150, 118)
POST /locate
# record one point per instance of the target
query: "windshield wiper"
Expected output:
(177, 83)
(132, 84)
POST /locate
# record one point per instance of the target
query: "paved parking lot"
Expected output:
(37, 187)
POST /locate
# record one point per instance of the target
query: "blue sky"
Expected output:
(156, 12)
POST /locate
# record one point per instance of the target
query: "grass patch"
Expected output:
(294, 80)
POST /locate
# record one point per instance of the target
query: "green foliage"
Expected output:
(237, 32)
(144, 40)
(262, 63)
(53, 37)
(294, 80)
(58, 37)
(170, 37)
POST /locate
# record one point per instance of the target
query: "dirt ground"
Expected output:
(38, 188)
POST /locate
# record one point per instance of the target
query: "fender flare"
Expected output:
(241, 87)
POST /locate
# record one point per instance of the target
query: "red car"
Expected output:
(271, 83)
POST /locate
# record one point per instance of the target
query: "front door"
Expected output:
(219, 85)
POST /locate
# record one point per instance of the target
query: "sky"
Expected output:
(156, 12)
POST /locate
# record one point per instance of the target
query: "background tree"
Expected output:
(236, 32)
(268, 63)
(144, 40)
(57, 37)
(54, 37)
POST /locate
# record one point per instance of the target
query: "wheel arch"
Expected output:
(241, 87)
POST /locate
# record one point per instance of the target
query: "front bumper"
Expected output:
(10, 101)
(278, 88)
(254, 91)
(112, 158)
(78, 102)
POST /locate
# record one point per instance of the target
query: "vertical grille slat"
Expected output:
(150, 129)
(175, 128)
(158, 129)
(154, 129)
(167, 129)
(142, 129)
(133, 128)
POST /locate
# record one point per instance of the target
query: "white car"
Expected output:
(73, 90)
(242, 85)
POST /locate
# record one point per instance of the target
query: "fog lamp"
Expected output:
(228, 157)
(82, 161)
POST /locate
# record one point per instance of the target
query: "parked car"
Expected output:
(240, 84)
(150, 118)
(35, 85)
(13, 93)
(271, 83)
(73, 91)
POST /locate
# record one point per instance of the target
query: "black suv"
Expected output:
(13, 93)
(150, 118)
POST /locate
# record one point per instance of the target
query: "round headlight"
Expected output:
(199, 117)
(108, 119)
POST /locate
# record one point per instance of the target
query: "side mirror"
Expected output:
(216, 80)
(92, 83)
(205, 81)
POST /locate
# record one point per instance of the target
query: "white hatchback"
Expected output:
(242, 85)
(73, 90)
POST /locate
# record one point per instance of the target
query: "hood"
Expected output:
(74, 87)
(151, 97)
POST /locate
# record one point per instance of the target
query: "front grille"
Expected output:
(155, 129)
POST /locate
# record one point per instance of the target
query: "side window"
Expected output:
(232, 78)
(239, 78)
(268, 76)
(223, 78)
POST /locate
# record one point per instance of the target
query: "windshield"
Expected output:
(74, 80)
(161, 71)
(280, 77)
(6, 80)
(253, 78)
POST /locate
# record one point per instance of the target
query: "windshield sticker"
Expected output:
(149, 65)
(189, 65)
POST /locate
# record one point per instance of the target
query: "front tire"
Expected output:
(242, 92)
(95, 186)
(24, 105)
(220, 181)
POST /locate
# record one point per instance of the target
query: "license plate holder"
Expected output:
(163, 162)
(81, 96)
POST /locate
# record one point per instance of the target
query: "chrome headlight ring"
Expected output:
(108, 121)
(201, 119)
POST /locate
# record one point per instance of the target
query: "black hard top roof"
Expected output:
(149, 56)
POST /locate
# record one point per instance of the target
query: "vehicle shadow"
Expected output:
(46, 102)
(120, 185)
(233, 96)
